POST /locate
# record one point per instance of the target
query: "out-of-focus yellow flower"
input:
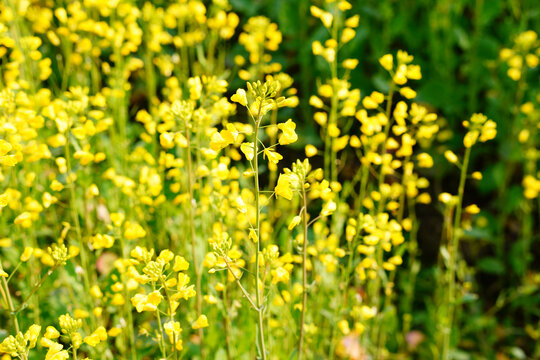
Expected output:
(27, 253)
(133, 231)
(387, 62)
(279, 275)
(451, 157)
(180, 264)
(295, 221)
(200, 323)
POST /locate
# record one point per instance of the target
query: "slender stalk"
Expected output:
(35, 288)
(454, 251)
(227, 323)
(9, 302)
(346, 275)
(242, 288)
(127, 309)
(161, 333)
(330, 156)
(171, 318)
(413, 269)
(191, 207)
(258, 227)
(304, 276)
(380, 181)
(75, 216)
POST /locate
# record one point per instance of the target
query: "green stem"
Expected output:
(191, 207)
(161, 334)
(75, 216)
(454, 251)
(9, 300)
(35, 288)
(304, 276)
(127, 309)
(227, 323)
(260, 312)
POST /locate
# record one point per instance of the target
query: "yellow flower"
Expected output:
(247, 149)
(350, 64)
(280, 275)
(3, 200)
(24, 220)
(295, 221)
(55, 352)
(328, 208)
(31, 335)
(470, 138)
(173, 330)
(165, 256)
(450, 156)
(200, 323)
(327, 19)
(472, 209)
(347, 35)
(167, 140)
(272, 156)
(148, 302)
(100, 334)
(100, 241)
(425, 160)
(353, 21)
(5, 147)
(91, 340)
(240, 97)
(27, 253)
(180, 264)
(316, 102)
(115, 331)
(531, 187)
(133, 231)
(217, 142)
(224, 138)
(57, 186)
(51, 333)
(387, 62)
(289, 135)
(311, 150)
(184, 292)
(407, 92)
(343, 326)
(283, 187)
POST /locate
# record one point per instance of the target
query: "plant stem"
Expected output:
(9, 301)
(257, 224)
(304, 276)
(454, 251)
(36, 287)
(75, 216)
(242, 288)
(161, 335)
(127, 309)
(191, 207)
(227, 323)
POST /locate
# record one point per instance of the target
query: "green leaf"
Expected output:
(491, 265)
